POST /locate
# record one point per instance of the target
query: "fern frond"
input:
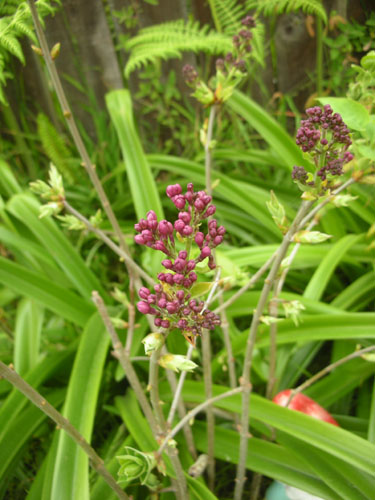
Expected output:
(227, 15)
(269, 7)
(12, 45)
(171, 39)
(55, 147)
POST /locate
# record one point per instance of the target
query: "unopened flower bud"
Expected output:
(152, 342)
(177, 362)
(144, 292)
(143, 307)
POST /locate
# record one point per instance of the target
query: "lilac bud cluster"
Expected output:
(190, 74)
(323, 133)
(176, 309)
(171, 303)
(241, 47)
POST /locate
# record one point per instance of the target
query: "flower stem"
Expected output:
(119, 251)
(192, 413)
(39, 401)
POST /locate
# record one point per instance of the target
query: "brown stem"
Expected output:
(39, 401)
(86, 162)
(192, 413)
(119, 251)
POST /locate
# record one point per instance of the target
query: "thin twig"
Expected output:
(121, 253)
(153, 387)
(63, 423)
(86, 162)
(180, 483)
(206, 342)
(322, 204)
(245, 379)
(178, 390)
(328, 369)
(192, 413)
(125, 362)
(248, 285)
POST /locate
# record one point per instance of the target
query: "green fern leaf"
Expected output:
(13, 46)
(227, 15)
(171, 39)
(269, 7)
(23, 29)
(55, 147)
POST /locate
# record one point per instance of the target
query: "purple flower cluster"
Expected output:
(176, 309)
(323, 132)
(171, 303)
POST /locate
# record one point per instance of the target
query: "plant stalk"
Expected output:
(192, 413)
(63, 423)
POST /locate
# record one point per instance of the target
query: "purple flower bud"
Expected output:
(147, 235)
(165, 323)
(162, 303)
(143, 223)
(199, 239)
(210, 211)
(182, 254)
(173, 190)
(151, 298)
(182, 324)
(161, 276)
(144, 292)
(186, 311)
(187, 283)
(169, 279)
(143, 307)
(206, 252)
(199, 205)
(189, 197)
(179, 264)
(137, 227)
(180, 295)
(167, 263)
(324, 142)
(178, 278)
(190, 187)
(212, 224)
(165, 228)
(221, 231)
(193, 277)
(217, 240)
(190, 265)
(179, 225)
(185, 216)
(158, 288)
(179, 202)
(139, 239)
(159, 245)
(171, 308)
(157, 321)
(187, 231)
(151, 215)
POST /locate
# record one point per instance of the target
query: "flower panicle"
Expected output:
(323, 135)
(171, 301)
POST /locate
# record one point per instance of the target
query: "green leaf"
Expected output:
(26, 209)
(27, 335)
(20, 431)
(323, 273)
(263, 457)
(323, 436)
(277, 138)
(54, 297)
(142, 185)
(201, 288)
(354, 114)
(71, 477)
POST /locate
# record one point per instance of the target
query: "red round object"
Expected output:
(304, 404)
